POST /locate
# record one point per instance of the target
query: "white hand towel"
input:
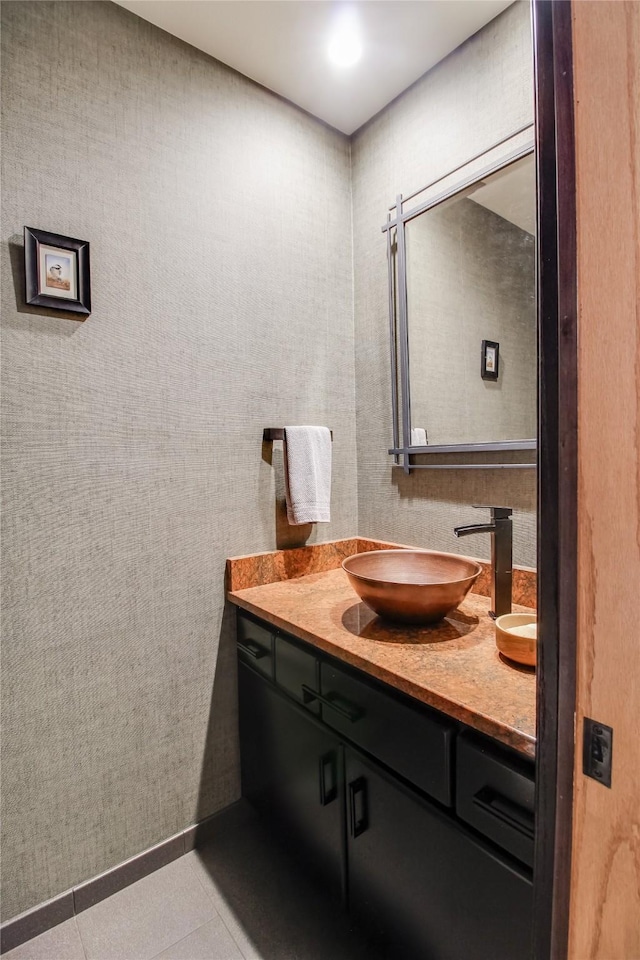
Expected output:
(307, 472)
(418, 437)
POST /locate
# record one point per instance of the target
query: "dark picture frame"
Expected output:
(57, 272)
(490, 360)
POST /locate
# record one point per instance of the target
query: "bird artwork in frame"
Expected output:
(57, 272)
(490, 360)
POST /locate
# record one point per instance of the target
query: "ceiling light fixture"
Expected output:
(345, 47)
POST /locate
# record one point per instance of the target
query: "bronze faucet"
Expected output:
(501, 530)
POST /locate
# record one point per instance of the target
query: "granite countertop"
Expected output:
(453, 666)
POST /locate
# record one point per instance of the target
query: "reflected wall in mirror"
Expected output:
(470, 267)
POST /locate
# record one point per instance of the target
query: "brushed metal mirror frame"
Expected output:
(397, 219)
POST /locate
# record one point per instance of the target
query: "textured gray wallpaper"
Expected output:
(481, 93)
(132, 456)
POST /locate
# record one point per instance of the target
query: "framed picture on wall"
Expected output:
(57, 271)
(490, 360)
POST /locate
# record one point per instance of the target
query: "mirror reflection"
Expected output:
(471, 312)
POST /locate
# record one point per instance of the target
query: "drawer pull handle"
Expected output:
(253, 649)
(358, 807)
(328, 774)
(505, 810)
(335, 702)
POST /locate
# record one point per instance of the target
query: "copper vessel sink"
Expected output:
(411, 586)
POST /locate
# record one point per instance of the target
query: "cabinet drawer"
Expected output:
(413, 743)
(296, 670)
(495, 794)
(255, 645)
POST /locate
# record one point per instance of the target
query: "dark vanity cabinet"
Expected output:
(422, 828)
(292, 771)
(431, 889)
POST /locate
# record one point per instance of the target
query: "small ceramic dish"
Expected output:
(516, 637)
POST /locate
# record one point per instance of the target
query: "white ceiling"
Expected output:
(282, 44)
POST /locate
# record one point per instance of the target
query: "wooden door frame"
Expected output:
(557, 474)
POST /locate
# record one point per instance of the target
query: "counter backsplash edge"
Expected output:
(258, 569)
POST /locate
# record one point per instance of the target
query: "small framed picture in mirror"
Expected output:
(57, 271)
(490, 360)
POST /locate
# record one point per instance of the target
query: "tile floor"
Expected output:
(238, 898)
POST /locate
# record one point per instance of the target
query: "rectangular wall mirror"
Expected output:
(463, 313)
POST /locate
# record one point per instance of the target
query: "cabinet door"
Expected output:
(430, 890)
(292, 771)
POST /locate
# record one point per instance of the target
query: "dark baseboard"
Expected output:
(125, 873)
(198, 835)
(33, 922)
(39, 919)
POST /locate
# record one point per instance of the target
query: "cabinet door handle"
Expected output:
(252, 649)
(334, 701)
(328, 775)
(506, 810)
(358, 807)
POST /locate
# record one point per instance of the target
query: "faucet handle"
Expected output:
(497, 513)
